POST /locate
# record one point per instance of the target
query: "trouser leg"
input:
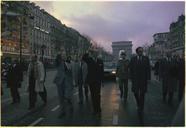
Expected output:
(17, 95)
(136, 94)
(43, 95)
(80, 89)
(125, 89)
(141, 100)
(164, 89)
(93, 96)
(181, 90)
(13, 94)
(98, 97)
(32, 95)
(171, 94)
(121, 82)
(86, 91)
(141, 108)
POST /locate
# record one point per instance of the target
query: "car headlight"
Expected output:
(113, 72)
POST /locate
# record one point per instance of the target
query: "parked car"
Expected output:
(109, 69)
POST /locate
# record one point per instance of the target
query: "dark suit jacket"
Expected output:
(91, 76)
(100, 70)
(15, 76)
(140, 72)
(168, 69)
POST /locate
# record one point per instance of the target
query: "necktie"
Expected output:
(140, 58)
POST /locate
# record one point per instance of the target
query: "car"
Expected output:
(109, 69)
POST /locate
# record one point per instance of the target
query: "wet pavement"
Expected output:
(114, 111)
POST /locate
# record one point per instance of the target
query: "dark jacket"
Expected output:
(15, 76)
(91, 76)
(140, 72)
(168, 69)
(100, 70)
(169, 73)
(156, 68)
(181, 72)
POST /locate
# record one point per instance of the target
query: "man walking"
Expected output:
(36, 76)
(15, 78)
(99, 83)
(140, 74)
(92, 81)
(169, 72)
(181, 79)
(122, 74)
(82, 76)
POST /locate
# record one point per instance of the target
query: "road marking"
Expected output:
(115, 120)
(75, 93)
(36, 122)
(9, 99)
(55, 108)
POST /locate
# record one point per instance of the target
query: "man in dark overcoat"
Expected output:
(181, 76)
(92, 81)
(169, 73)
(99, 83)
(140, 74)
(15, 77)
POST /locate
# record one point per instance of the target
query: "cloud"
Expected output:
(114, 21)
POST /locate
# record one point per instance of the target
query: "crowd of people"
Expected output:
(139, 71)
(170, 70)
(87, 72)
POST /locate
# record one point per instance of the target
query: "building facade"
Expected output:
(121, 45)
(41, 33)
(160, 45)
(177, 36)
(40, 30)
(15, 30)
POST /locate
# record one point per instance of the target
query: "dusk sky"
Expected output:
(106, 22)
